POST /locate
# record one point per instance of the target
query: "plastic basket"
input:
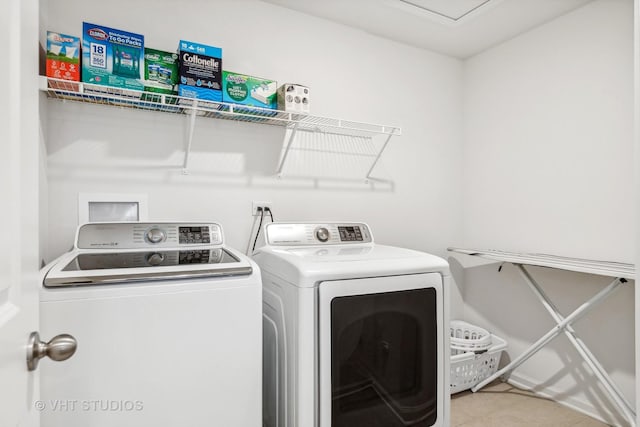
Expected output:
(468, 369)
(466, 337)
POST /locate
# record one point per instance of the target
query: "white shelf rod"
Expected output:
(375, 161)
(286, 151)
(192, 125)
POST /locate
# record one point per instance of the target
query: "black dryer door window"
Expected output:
(384, 359)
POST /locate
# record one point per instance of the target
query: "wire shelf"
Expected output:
(65, 90)
(106, 95)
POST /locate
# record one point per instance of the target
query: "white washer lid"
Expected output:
(308, 266)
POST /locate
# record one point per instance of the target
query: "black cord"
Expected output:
(259, 227)
(270, 214)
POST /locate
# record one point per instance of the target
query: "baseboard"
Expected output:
(576, 404)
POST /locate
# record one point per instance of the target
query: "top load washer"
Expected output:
(168, 324)
(355, 333)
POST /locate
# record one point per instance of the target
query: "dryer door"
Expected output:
(382, 351)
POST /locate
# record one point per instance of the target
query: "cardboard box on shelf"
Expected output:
(63, 56)
(249, 90)
(200, 71)
(160, 71)
(112, 57)
(293, 97)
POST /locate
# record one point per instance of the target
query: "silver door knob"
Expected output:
(59, 348)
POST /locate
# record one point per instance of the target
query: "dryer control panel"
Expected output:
(307, 234)
(137, 235)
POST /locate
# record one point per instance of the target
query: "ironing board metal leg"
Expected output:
(611, 388)
(555, 331)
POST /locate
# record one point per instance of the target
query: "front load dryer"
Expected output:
(354, 333)
(168, 324)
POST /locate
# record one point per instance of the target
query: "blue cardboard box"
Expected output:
(112, 57)
(200, 71)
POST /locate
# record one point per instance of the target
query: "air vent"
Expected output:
(448, 9)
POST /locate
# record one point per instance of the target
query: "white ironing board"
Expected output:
(620, 271)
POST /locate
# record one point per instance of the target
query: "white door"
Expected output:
(19, 142)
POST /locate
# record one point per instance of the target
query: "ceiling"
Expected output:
(460, 28)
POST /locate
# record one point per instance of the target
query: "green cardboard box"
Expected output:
(160, 71)
(249, 90)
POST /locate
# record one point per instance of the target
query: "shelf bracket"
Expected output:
(191, 117)
(286, 150)
(375, 161)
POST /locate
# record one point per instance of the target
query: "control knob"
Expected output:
(155, 258)
(155, 235)
(322, 234)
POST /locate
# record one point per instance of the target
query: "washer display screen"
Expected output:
(350, 234)
(194, 235)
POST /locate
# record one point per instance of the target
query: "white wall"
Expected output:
(548, 137)
(548, 167)
(352, 75)
(636, 73)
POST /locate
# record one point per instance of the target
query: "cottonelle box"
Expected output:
(63, 56)
(112, 57)
(200, 71)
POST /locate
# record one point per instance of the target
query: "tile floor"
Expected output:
(502, 405)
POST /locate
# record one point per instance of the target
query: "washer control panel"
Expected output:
(136, 235)
(307, 234)
(199, 234)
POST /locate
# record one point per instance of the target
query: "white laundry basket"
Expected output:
(467, 337)
(469, 368)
